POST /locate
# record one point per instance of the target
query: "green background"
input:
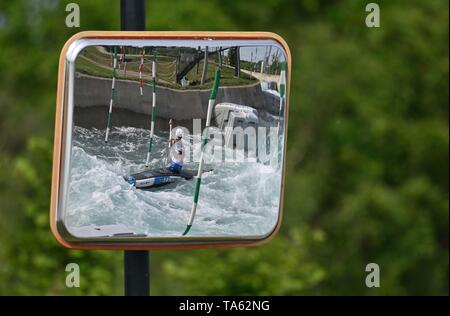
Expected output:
(367, 164)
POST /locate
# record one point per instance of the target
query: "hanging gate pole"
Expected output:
(198, 179)
(141, 68)
(113, 95)
(282, 88)
(153, 115)
(282, 92)
(136, 262)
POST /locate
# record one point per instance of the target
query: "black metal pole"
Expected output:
(136, 262)
(132, 15)
(136, 266)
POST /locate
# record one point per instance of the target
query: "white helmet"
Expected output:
(179, 133)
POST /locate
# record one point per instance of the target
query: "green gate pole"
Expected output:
(198, 179)
(282, 90)
(141, 67)
(152, 124)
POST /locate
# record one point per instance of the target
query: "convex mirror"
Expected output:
(169, 139)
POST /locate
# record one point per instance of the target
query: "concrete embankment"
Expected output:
(92, 96)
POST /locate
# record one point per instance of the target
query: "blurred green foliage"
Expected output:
(367, 167)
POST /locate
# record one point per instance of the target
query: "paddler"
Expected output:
(177, 152)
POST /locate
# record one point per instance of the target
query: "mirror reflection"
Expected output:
(173, 141)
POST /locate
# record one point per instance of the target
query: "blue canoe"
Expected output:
(155, 178)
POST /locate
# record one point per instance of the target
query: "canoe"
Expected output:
(155, 178)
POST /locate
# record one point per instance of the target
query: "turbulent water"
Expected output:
(236, 198)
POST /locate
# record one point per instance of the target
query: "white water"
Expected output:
(235, 198)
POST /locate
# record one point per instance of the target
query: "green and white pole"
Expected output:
(152, 124)
(282, 91)
(282, 87)
(113, 95)
(141, 68)
(198, 180)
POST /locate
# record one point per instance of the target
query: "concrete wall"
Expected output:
(180, 105)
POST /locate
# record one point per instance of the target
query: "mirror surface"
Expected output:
(137, 136)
